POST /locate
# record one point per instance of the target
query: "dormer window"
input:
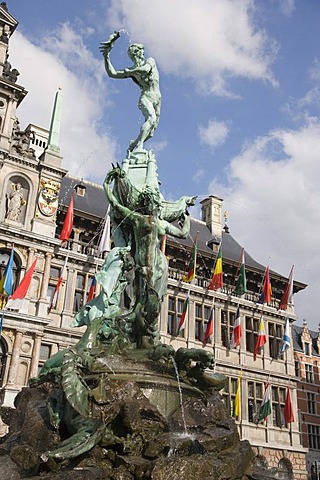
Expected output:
(80, 189)
(307, 349)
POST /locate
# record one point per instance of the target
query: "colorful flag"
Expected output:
(237, 401)
(184, 314)
(237, 331)
(266, 293)
(266, 406)
(261, 339)
(209, 329)
(285, 344)
(6, 283)
(191, 272)
(92, 289)
(217, 278)
(16, 300)
(241, 284)
(68, 222)
(288, 410)
(288, 292)
(55, 293)
(104, 244)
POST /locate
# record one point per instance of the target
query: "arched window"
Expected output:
(285, 469)
(4, 258)
(3, 359)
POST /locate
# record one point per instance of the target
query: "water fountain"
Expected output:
(120, 404)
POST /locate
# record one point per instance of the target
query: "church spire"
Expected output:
(54, 133)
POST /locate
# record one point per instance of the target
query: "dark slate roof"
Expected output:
(296, 339)
(93, 203)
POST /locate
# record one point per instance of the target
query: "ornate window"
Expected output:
(255, 396)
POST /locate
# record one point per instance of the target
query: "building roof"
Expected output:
(297, 342)
(93, 203)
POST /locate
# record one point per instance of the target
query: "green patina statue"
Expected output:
(124, 316)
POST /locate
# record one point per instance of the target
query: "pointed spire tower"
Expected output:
(51, 155)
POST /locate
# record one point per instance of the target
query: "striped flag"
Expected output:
(237, 331)
(285, 344)
(184, 314)
(56, 290)
(287, 296)
(15, 302)
(237, 401)
(191, 272)
(92, 289)
(6, 282)
(241, 284)
(209, 330)
(266, 406)
(261, 339)
(266, 293)
(217, 278)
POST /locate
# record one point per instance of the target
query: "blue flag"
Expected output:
(7, 279)
(285, 344)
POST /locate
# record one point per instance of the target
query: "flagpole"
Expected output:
(238, 268)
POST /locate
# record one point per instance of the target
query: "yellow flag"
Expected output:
(237, 402)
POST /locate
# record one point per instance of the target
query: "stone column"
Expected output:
(30, 257)
(13, 370)
(35, 356)
(45, 278)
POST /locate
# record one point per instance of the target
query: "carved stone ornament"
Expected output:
(48, 197)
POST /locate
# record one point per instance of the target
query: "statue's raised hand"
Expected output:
(105, 47)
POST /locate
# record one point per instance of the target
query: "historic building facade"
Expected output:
(35, 191)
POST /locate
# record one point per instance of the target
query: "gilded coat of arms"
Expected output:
(48, 197)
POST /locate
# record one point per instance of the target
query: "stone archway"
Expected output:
(285, 469)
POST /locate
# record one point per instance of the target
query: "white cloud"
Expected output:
(287, 7)
(207, 41)
(64, 61)
(214, 134)
(273, 199)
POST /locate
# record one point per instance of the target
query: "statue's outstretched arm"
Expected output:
(105, 48)
(179, 232)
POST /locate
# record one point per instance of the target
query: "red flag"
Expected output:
(184, 314)
(92, 290)
(261, 339)
(16, 300)
(217, 278)
(237, 331)
(265, 296)
(55, 293)
(288, 292)
(68, 223)
(288, 410)
(209, 330)
(163, 244)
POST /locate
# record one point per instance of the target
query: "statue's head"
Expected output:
(136, 51)
(149, 202)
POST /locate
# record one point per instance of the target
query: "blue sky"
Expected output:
(240, 108)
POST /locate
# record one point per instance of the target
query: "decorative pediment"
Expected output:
(6, 18)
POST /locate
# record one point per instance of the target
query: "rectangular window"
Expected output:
(307, 349)
(314, 437)
(229, 394)
(252, 328)
(79, 294)
(275, 336)
(175, 309)
(278, 402)
(311, 403)
(297, 368)
(202, 314)
(255, 395)
(309, 373)
(45, 351)
(227, 324)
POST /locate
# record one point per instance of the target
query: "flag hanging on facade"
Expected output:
(266, 406)
(266, 293)
(15, 301)
(237, 401)
(261, 339)
(68, 223)
(287, 296)
(191, 272)
(104, 244)
(285, 344)
(241, 284)
(209, 329)
(237, 331)
(6, 283)
(288, 410)
(56, 290)
(184, 314)
(217, 278)
(92, 290)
